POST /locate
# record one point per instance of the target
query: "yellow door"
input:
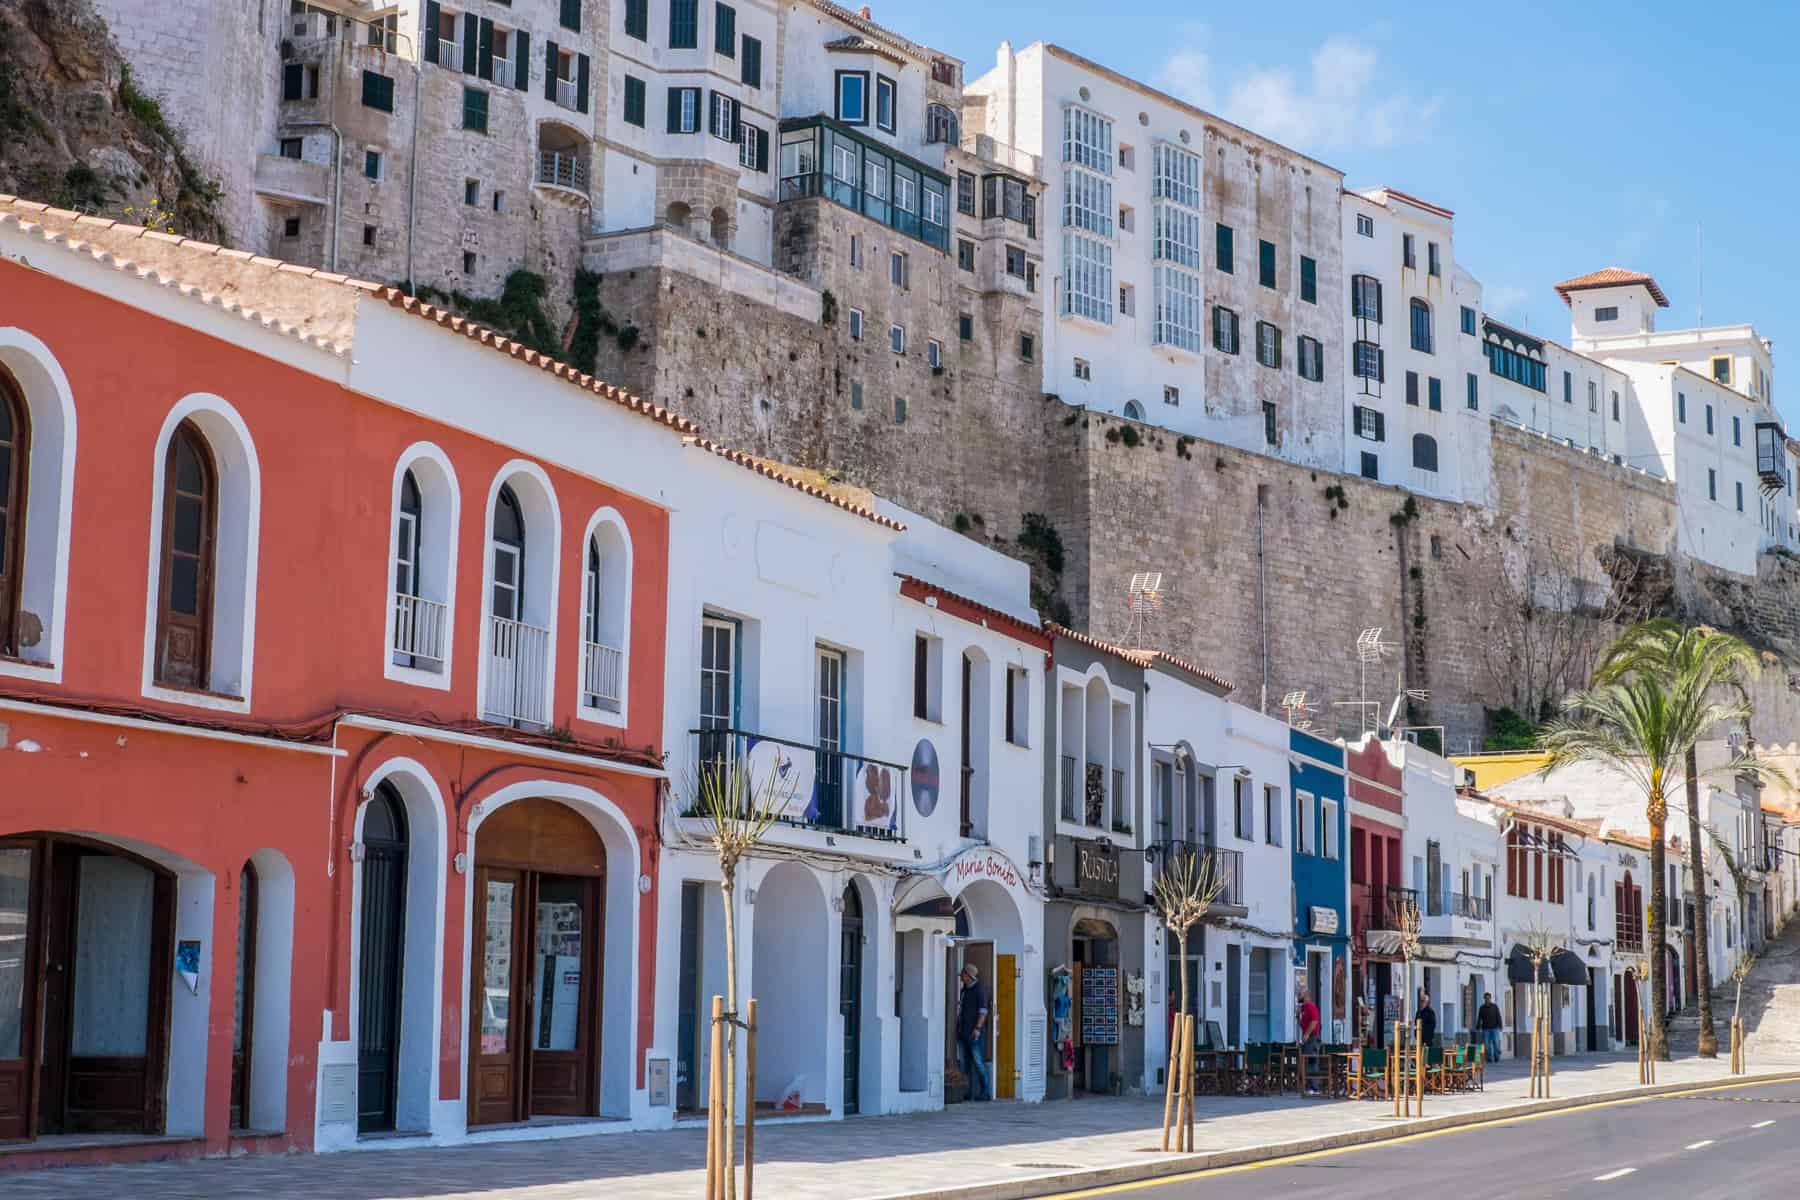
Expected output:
(1006, 994)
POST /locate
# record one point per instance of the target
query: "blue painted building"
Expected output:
(1321, 878)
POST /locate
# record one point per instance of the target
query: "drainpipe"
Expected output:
(1262, 592)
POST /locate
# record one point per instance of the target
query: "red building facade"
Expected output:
(1377, 886)
(304, 677)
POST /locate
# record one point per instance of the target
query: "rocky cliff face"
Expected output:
(74, 131)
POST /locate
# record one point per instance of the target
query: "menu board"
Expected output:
(1100, 1006)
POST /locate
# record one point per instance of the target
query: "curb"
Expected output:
(1168, 1165)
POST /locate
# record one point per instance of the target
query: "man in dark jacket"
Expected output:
(1488, 1022)
(1427, 1021)
(971, 1021)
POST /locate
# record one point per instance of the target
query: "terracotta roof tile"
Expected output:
(1610, 277)
(1139, 657)
(791, 478)
(914, 587)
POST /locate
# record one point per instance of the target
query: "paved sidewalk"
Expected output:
(1004, 1145)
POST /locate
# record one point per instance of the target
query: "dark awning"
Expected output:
(1565, 967)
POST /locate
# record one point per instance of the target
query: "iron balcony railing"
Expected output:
(503, 72)
(450, 54)
(1395, 901)
(602, 676)
(518, 666)
(1229, 866)
(562, 170)
(565, 92)
(1067, 778)
(831, 789)
(1475, 908)
(419, 632)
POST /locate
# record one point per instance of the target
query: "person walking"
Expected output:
(1427, 1020)
(1309, 1022)
(971, 1020)
(1488, 1021)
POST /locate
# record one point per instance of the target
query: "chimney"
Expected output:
(863, 12)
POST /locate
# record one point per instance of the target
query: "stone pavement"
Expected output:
(1003, 1145)
(1771, 1009)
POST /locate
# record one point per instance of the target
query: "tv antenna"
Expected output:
(1143, 602)
(1298, 709)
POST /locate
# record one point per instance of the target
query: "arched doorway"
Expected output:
(534, 987)
(1096, 955)
(85, 992)
(384, 868)
(850, 985)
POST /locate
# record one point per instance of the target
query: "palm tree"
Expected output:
(1642, 719)
(1728, 663)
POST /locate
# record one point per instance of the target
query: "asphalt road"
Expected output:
(1739, 1142)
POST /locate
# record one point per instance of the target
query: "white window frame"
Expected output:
(1305, 827)
(624, 580)
(1087, 277)
(856, 324)
(1328, 818)
(897, 338)
(440, 503)
(1365, 225)
(1179, 309)
(934, 352)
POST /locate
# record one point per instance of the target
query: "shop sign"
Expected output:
(1097, 868)
(981, 864)
(1322, 920)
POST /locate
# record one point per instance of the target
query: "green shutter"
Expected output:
(637, 19)
(378, 91)
(725, 30)
(471, 48)
(475, 110)
(484, 52)
(684, 21)
(551, 53)
(674, 110)
(634, 101)
(1222, 248)
(752, 72)
(571, 15)
(431, 31)
(581, 83)
(522, 61)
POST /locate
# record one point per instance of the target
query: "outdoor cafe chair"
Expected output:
(1367, 1077)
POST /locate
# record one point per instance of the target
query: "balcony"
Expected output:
(1472, 908)
(1229, 865)
(503, 72)
(832, 790)
(312, 25)
(565, 93)
(1066, 775)
(820, 157)
(518, 666)
(450, 55)
(292, 179)
(1771, 457)
(561, 169)
(420, 632)
(602, 676)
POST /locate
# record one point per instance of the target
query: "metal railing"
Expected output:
(968, 802)
(518, 664)
(565, 92)
(602, 676)
(562, 170)
(1121, 806)
(450, 54)
(1394, 901)
(847, 793)
(1475, 908)
(1067, 776)
(1230, 867)
(503, 72)
(420, 627)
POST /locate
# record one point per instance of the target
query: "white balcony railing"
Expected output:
(419, 632)
(565, 92)
(503, 72)
(449, 54)
(518, 662)
(602, 676)
(562, 170)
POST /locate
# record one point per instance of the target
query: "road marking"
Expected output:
(1138, 1185)
(1621, 1173)
(1762, 1124)
(1700, 1145)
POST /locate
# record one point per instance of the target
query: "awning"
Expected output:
(1564, 967)
(1383, 943)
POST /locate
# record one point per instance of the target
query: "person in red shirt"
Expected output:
(1309, 1021)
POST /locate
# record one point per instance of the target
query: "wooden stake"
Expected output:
(715, 1092)
(750, 1100)
(721, 1124)
(1192, 1071)
(1184, 1080)
(1419, 1063)
(1172, 1077)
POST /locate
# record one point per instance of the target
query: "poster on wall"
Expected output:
(1100, 1006)
(924, 776)
(791, 767)
(875, 796)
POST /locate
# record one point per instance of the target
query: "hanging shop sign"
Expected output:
(982, 863)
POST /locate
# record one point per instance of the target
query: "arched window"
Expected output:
(509, 556)
(190, 517)
(941, 125)
(406, 550)
(1421, 326)
(422, 567)
(1133, 411)
(15, 457)
(1425, 452)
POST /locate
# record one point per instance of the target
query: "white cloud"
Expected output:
(1338, 103)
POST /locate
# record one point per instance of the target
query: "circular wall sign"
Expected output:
(924, 777)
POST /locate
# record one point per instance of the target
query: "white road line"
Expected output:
(1762, 1124)
(1618, 1174)
(1701, 1145)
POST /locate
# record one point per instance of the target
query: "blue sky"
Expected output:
(1566, 137)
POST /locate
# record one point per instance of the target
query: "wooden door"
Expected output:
(190, 515)
(15, 458)
(497, 1002)
(564, 988)
(850, 998)
(383, 961)
(21, 879)
(1006, 999)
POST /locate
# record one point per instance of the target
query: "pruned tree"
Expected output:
(736, 800)
(1186, 888)
(1542, 944)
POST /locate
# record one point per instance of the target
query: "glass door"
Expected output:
(563, 992)
(17, 990)
(499, 908)
(830, 767)
(718, 692)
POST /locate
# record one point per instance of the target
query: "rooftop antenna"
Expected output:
(1298, 709)
(1143, 601)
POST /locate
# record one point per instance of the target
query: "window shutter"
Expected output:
(484, 53)
(762, 149)
(1380, 365)
(571, 15)
(431, 31)
(1378, 301)
(581, 83)
(737, 126)
(674, 110)
(471, 48)
(551, 53)
(1380, 426)
(293, 77)
(522, 62)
